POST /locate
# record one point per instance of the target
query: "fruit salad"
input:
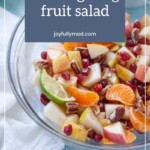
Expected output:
(98, 91)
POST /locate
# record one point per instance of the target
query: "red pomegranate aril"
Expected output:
(44, 55)
(68, 130)
(136, 50)
(130, 84)
(129, 124)
(128, 29)
(98, 88)
(65, 76)
(102, 107)
(91, 134)
(98, 138)
(125, 56)
(85, 63)
(137, 24)
(130, 43)
(142, 40)
(85, 54)
(86, 71)
(133, 68)
(135, 82)
(104, 83)
(80, 77)
(122, 62)
(44, 100)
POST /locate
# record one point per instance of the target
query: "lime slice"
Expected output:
(53, 90)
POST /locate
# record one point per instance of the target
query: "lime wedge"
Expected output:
(53, 90)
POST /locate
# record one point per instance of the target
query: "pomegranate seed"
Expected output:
(68, 130)
(85, 63)
(98, 138)
(122, 62)
(142, 40)
(135, 82)
(91, 134)
(104, 83)
(80, 77)
(128, 29)
(98, 88)
(86, 71)
(85, 54)
(102, 107)
(65, 76)
(136, 50)
(133, 68)
(44, 55)
(130, 43)
(44, 99)
(130, 84)
(125, 56)
(137, 24)
(145, 97)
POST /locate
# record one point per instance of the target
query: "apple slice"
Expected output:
(95, 50)
(142, 73)
(55, 113)
(111, 59)
(109, 108)
(101, 115)
(89, 120)
(93, 77)
(143, 60)
(115, 133)
(145, 50)
(113, 79)
(145, 32)
(73, 118)
(145, 21)
(123, 73)
(56, 46)
(126, 113)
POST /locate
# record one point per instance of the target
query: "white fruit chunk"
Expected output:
(73, 118)
(101, 116)
(93, 77)
(56, 46)
(89, 120)
(143, 60)
(146, 32)
(113, 79)
(145, 50)
(95, 50)
(53, 54)
(111, 59)
(109, 108)
(115, 133)
(145, 21)
(55, 113)
(126, 113)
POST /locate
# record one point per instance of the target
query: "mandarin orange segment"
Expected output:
(84, 98)
(121, 93)
(138, 121)
(130, 137)
(148, 90)
(71, 45)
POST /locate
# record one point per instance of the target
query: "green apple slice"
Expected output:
(53, 90)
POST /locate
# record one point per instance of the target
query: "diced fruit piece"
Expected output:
(71, 45)
(145, 21)
(93, 77)
(101, 116)
(138, 121)
(143, 73)
(61, 64)
(121, 93)
(143, 60)
(109, 108)
(148, 90)
(73, 118)
(115, 133)
(146, 32)
(95, 50)
(111, 59)
(115, 48)
(107, 44)
(90, 121)
(75, 56)
(56, 46)
(123, 73)
(127, 17)
(84, 98)
(53, 54)
(59, 117)
(67, 84)
(53, 89)
(130, 137)
(132, 57)
(145, 50)
(113, 79)
(36, 78)
(78, 132)
(126, 113)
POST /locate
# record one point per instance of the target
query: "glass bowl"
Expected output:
(20, 71)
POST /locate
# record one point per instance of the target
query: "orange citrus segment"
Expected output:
(71, 45)
(148, 90)
(130, 137)
(84, 98)
(121, 93)
(138, 121)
